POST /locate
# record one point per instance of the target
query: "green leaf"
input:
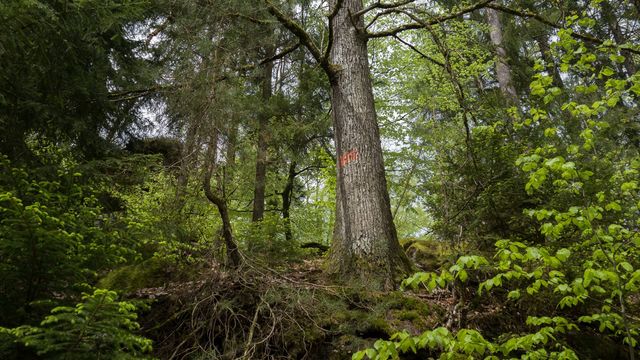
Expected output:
(563, 254)
(462, 275)
(617, 58)
(358, 355)
(628, 186)
(626, 266)
(607, 71)
(371, 353)
(613, 206)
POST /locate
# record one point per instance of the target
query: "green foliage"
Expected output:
(67, 97)
(586, 194)
(100, 327)
(468, 343)
(52, 235)
(164, 224)
(266, 240)
(153, 272)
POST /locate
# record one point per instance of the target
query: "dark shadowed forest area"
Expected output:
(319, 179)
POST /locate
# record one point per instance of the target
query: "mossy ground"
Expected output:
(150, 273)
(262, 313)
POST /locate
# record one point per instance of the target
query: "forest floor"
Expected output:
(260, 312)
(292, 312)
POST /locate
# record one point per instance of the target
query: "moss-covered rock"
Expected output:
(154, 272)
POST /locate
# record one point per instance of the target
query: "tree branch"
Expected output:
(332, 15)
(424, 24)
(159, 29)
(281, 54)
(138, 93)
(380, 5)
(296, 173)
(297, 30)
(424, 56)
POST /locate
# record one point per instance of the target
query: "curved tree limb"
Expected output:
(380, 5)
(298, 31)
(425, 23)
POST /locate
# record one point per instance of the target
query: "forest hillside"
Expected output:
(319, 179)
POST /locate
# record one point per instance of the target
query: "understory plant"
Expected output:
(54, 236)
(100, 327)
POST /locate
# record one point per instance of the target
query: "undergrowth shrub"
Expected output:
(100, 327)
(53, 236)
(266, 241)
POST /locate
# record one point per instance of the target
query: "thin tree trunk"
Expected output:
(219, 201)
(503, 70)
(287, 195)
(230, 157)
(186, 159)
(263, 128)
(365, 246)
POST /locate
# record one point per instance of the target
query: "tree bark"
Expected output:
(365, 246)
(233, 255)
(287, 195)
(261, 155)
(186, 159)
(503, 70)
(230, 157)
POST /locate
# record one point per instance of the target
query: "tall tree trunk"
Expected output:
(287, 194)
(263, 128)
(233, 255)
(503, 70)
(365, 246)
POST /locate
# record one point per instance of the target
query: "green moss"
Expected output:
(408, 315)
(150, 273)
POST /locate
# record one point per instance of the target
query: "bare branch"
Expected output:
(296, 173)
(138, 93)
(332, 15)
(422, 24)
(281, 54)
(159, 29)
(380, 5)
(423, 55)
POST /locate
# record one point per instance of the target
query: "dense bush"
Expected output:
(53, 237)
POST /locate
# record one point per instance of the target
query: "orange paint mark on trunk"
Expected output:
(349, 156)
